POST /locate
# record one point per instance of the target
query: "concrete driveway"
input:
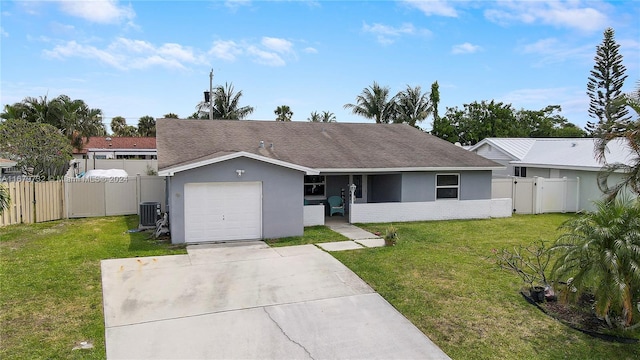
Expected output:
(250, 301)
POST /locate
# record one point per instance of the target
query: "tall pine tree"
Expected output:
(605, 90)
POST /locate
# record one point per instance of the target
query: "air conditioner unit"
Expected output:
(149, 213)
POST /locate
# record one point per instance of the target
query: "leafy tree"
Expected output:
(412, 106)
(631, 136)
(325, 116)
(490, 119)
(434, 97)
(118, 123)
(375, 103)
(129, 131)
(74, 117)
(39, 149)
(600, 253)
(147, 126)
(546, 122)
(605, 89)
(171, 116)
(5, 199)
(283, 113)
(226, 105)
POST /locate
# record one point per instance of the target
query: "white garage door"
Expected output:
(222, 211)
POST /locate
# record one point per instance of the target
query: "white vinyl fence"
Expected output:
(133, 167)
(538, 195)
(105, 197)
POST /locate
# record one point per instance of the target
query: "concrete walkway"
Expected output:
(248, 301)
(358, 238)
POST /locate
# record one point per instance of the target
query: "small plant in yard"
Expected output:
(530, 264)
(390, 236)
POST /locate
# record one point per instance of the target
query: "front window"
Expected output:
(447, 186)
(314, 186)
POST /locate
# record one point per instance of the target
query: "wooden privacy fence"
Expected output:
(34, 201)
(538, 195)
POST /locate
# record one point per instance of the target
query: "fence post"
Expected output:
(565, 193)
(138, 193)
(578, 194)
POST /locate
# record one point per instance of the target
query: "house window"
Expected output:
(447, 186)
(520, 171)
(314, 186)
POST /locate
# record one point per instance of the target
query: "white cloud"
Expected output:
(270, 51)
(310, 50)
(572, 14)
(553, 51)
(3, 33)
(465, 48)
(387, 34)
(226, 50)
(433, 7)
(235, 4)
(265, 57)
(277, 44)
(125, 54)
(99, 11)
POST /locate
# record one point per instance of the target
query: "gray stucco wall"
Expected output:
(475, 185)
(282, 194)
(418, 186)
(384, 188)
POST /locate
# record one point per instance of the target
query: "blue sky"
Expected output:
(136, 58)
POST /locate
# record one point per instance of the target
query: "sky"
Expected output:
(137, 58)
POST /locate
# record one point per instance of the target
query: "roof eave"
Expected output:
(410, 169)
(171, 171)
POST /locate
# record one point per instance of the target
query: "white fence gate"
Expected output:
(539, 195)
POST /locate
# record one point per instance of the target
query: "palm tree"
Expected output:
(118, 123)
(374, 103)
(171, 116)
(314, 117)
(76, 120)
(283, 113)
(600, 252)
(226, 105)
(325, 116)
(147, 126)
(5, 200)
(328, 117)
(413, 106)
(631, 135)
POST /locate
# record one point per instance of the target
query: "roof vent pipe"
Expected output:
(261, 144)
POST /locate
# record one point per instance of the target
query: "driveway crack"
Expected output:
(285, 334)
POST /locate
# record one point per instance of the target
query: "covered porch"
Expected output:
(402, 196)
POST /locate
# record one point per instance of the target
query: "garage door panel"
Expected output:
(223, 211)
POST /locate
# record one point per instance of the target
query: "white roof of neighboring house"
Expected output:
(560, 153)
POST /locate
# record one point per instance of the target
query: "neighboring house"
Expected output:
(230, 179)
(8, 169)
(135, 155)
(555, 158)
(106, 147)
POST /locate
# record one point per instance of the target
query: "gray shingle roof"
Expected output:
(314, 145)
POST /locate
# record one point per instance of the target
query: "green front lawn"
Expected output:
(443, 277)
(50, 283)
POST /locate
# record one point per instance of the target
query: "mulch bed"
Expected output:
(579, 316)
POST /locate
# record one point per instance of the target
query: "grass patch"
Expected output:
(312, 235)
(50, 283)
(443, 277)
